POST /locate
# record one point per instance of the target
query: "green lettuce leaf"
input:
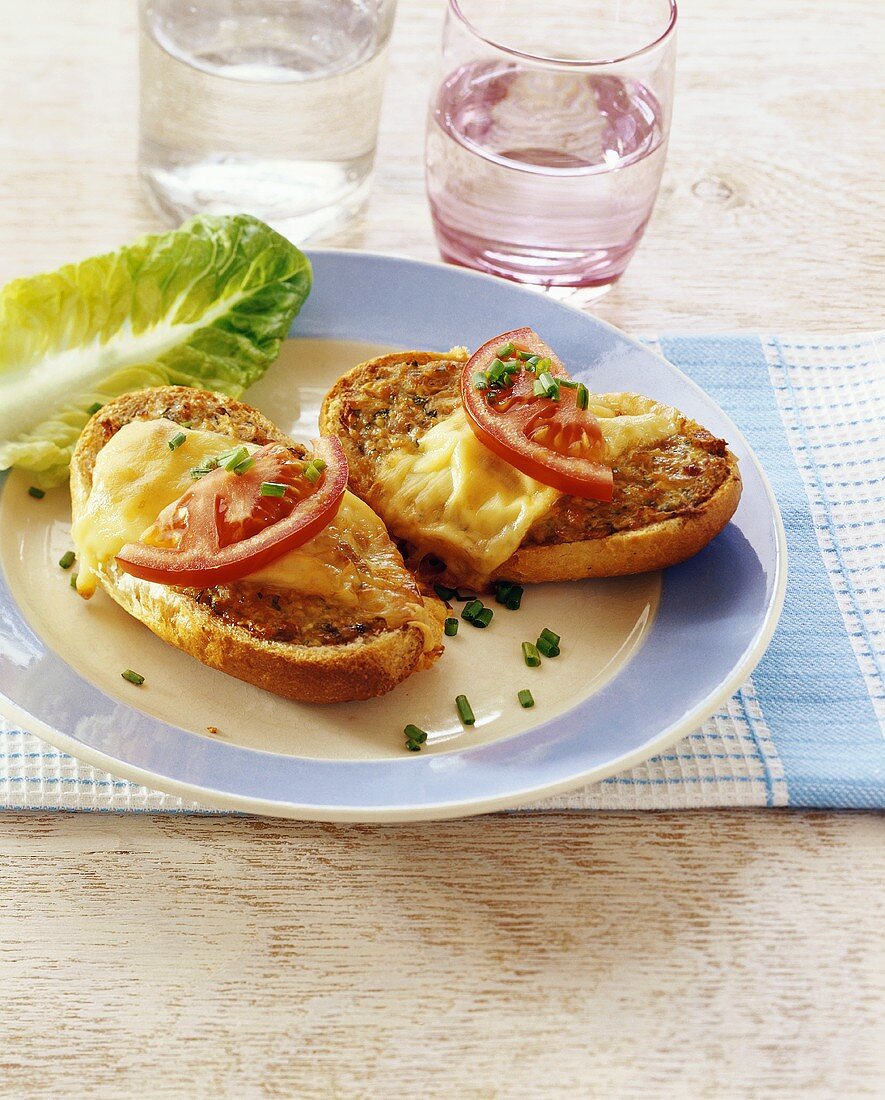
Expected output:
(206, 305)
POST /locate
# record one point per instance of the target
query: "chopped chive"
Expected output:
(232, 459)
(496, 371)
(501, 374)
(67, 559)
(37, 494)
(272, 489)
(246, 464)
(415, 738)
(94, 407)
(525, 356)
(569, 383)
(74, 580)
(207, 467)
(132, 677)
(508, 594)
(465, 711)
(544, 364)
(176, 441)
(582, 397)
(450, 627)
(548, 649)
(546, 386)
(480, 380)
(482, 618)
(506, 351)
(530, 654)
(464, 597)
(445, 593)
(525, 698)
(313, 471)
(549, 636)
(471, 610)
(226, 456)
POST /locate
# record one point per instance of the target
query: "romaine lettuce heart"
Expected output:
(206, 305)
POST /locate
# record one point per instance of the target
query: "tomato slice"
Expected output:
(223, 527)
(550, 439)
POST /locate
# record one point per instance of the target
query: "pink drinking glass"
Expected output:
(547, 135)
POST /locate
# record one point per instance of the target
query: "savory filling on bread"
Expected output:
(176, 480)
(415, 455)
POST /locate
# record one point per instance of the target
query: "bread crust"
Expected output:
(650, 546)
(333, 412)
(361, 669)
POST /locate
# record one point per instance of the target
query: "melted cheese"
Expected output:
(351, 562)
(624, 429)
(456, 499)
(135, 477)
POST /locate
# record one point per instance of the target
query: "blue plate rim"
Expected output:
(424, 810)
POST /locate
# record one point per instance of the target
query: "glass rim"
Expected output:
(566, 62)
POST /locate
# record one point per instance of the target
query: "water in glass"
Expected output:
(542, 175)
(269, 107)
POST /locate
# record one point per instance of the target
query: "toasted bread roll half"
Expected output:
(457, 510)
(352, 624)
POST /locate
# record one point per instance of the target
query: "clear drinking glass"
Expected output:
(267, 107)
(547, 134)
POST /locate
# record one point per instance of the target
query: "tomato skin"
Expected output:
(513, 424)
(208, 517)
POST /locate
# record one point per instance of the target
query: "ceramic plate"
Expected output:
(644, 659)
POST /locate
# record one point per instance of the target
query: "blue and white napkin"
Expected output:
(808, 728)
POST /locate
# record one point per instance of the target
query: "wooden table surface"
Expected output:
(695, 954)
